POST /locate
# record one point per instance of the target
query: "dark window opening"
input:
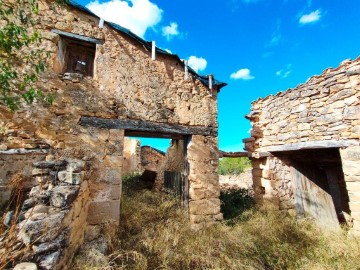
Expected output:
(79, 57)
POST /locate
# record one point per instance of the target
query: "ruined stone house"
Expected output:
(132, 159)
(305, 147)
(107, 86)
(151, 158)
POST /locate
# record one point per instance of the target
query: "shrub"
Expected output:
(233, 165)
(235, 201)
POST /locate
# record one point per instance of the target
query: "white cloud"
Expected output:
(197, 63)
(284, 73)
(242, 74)
(136, 15)
(312, 17)
(170, 30)
(276, 36)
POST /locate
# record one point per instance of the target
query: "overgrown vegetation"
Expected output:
(155, 234)
(233, 165)
(21, 58)
(235, 201)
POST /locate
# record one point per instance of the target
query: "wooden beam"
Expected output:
(153, 129)
(311, 145)
(233, 154)
(78, 37)
(144, 134)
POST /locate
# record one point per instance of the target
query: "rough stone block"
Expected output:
(111, 176)
(39, 172)
(75, 165)
(203, 180)
(63, 196)
(197, 193)
(44, 230)
(113, 161)
(26, 266)
(100, 212)
(70, 177)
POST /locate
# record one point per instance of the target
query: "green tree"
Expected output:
(21, 59)
(233, 165)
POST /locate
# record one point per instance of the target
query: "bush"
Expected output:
(233, 165)
(235, 201)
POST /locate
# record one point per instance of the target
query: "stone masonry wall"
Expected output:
(272, 183)
(132, 159)
(126, 84)
(10, 164)
(326, 107)
(151, 158)
(52, 220)
(174, 161)
(204, 188)
(323, 112)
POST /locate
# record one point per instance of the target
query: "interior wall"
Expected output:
(350, 157)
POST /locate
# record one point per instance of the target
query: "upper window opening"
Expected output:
(79, 57)
(76, 53)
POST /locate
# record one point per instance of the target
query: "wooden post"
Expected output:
(101, 23)
(186, 70)
(210, 82)
(153, 51)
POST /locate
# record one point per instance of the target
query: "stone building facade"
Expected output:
(107, 86)
(151, 158)
(305, 147)
(132, 157)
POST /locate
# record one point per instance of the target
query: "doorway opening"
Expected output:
(319, 185)
(159, 161)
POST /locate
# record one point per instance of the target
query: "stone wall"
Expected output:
(52, 220)
(323, 113)
(132, 158)
(204, 188)
(11, 164)
(174, 161)
(126, 84)
(151, 158)
(326, 107)
(272, 182)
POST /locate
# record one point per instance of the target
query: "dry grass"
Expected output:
(155, 234)
(10, 248)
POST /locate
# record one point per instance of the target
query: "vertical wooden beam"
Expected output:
(101, 23)
(153, 51)
(210, 82)
(186, 70)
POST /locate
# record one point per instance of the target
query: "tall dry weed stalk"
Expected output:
(10, 247)
(155, 234)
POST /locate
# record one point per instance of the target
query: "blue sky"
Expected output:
(259, 47)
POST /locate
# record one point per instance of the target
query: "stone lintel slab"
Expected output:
(311, 145)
